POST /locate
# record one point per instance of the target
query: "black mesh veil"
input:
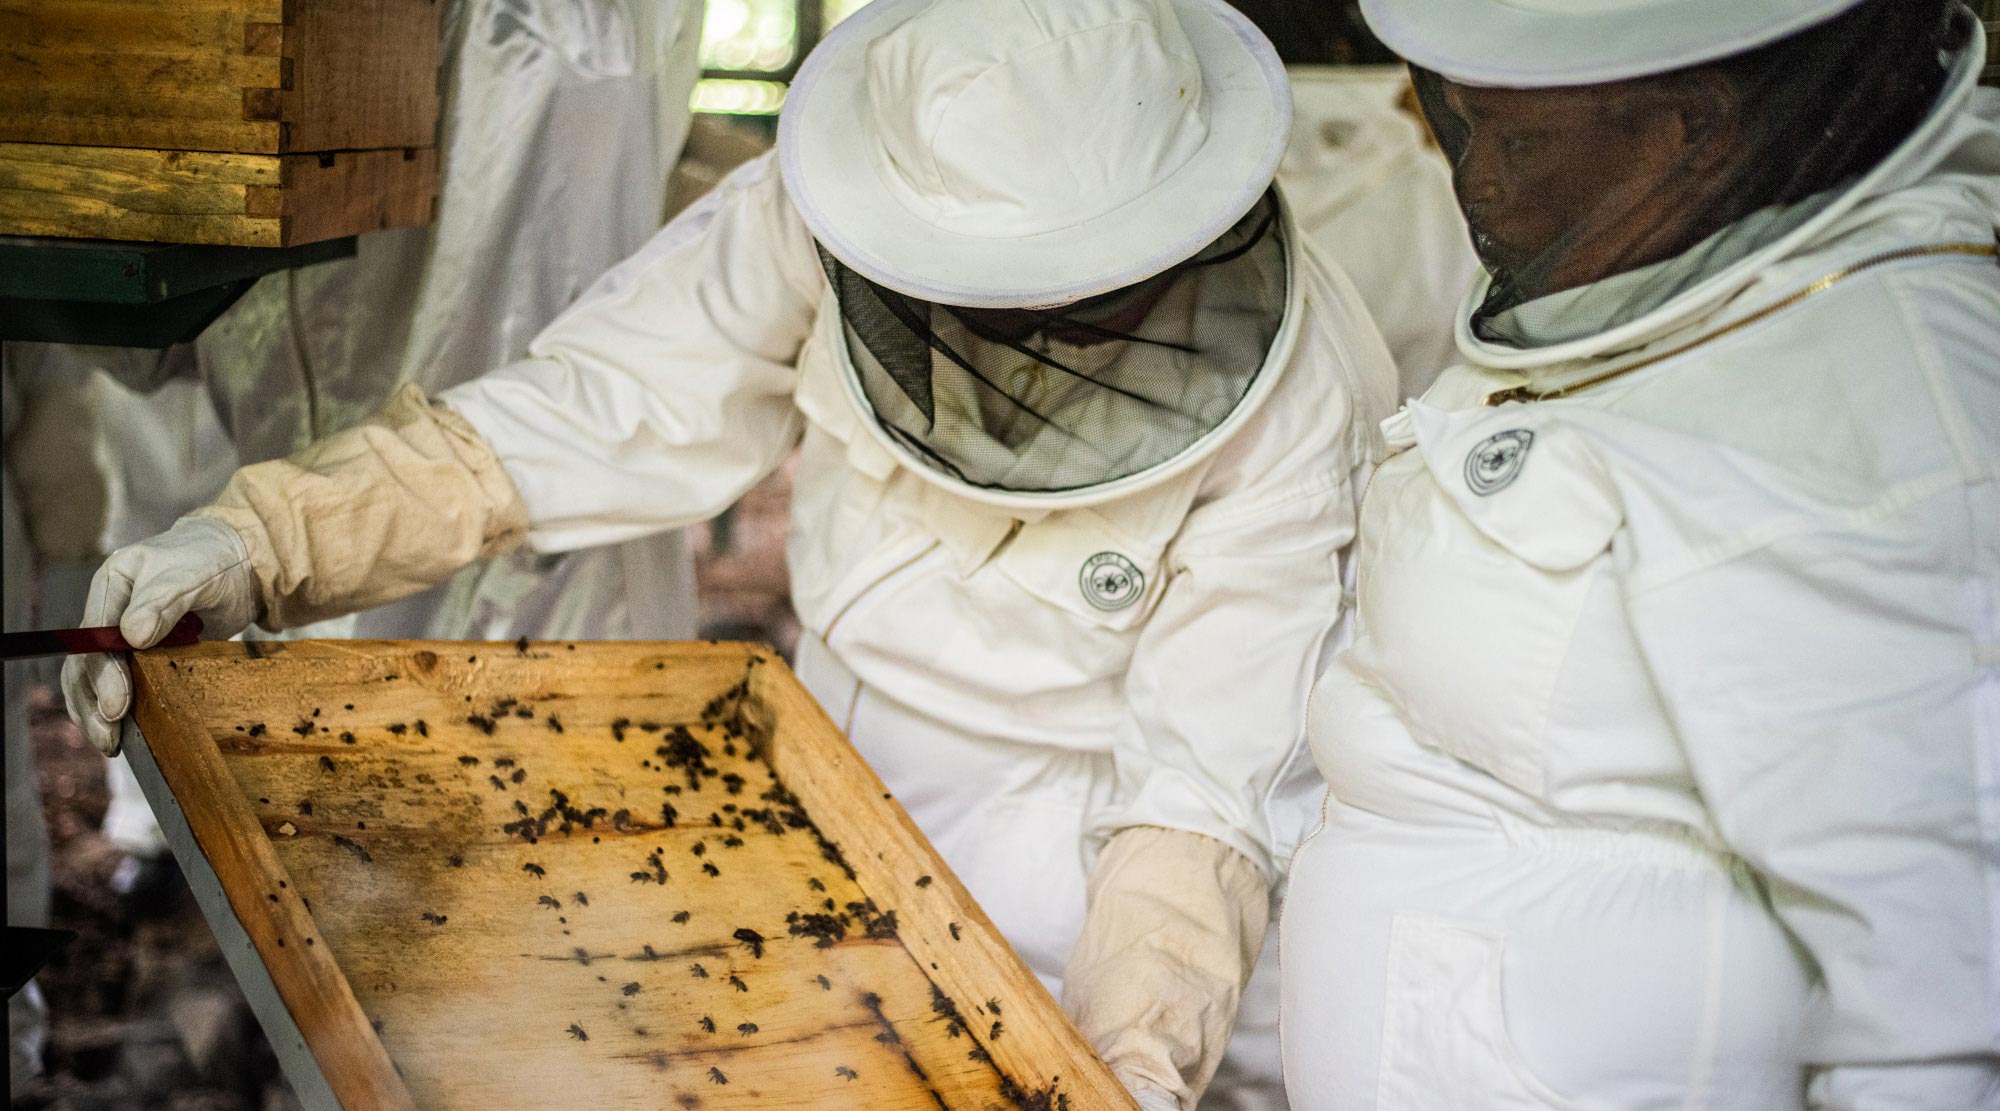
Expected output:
(1592, 205)
(1067, 398)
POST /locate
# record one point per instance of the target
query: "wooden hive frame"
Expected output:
(425, 977)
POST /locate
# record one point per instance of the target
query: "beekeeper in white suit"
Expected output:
(1665, 762)
(1081, 422)
(559, 125)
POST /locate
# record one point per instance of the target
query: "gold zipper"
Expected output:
(1006, 542)
(1526, 392)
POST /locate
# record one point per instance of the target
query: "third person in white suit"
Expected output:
(1665, 761)
(1081, 423)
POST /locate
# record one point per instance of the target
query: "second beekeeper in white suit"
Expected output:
(1665, 761)
(1081, 421)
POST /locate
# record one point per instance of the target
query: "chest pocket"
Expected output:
(1088, 567)
(1480, 546)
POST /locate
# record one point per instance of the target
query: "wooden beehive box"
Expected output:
(257, 123)
(603, 875)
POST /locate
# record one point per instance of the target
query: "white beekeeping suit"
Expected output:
(1371, 190)
(1078, 457)
(27, 837)
(1664, 764)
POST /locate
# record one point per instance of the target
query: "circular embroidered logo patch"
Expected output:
(1494, 465)
(1110, 581)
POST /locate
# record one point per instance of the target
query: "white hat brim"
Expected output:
(1518, 45)
(828, 155)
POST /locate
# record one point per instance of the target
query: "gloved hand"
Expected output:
(198, 566)
(362, 517)
(1174, 926)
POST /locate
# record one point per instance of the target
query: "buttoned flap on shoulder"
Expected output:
(1528, 480)
(1479, 549)
(1081, 561)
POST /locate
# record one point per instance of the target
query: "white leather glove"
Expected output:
(199, 566)
(1174, 926)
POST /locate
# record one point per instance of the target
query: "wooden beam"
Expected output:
(195, 74)
(365, 75)
(151, 195)
(943, 928)
(131, 26)
(245, 200)
(327, 196)
(295, 1057)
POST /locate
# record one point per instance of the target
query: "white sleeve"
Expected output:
(1214, 737)
(665, 392)
(1207, 763)
(1837, 700)
(1217, 686)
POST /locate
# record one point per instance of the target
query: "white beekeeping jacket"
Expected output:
(695, 367)
(1744, 594)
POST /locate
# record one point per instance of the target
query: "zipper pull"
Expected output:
(1013, 530)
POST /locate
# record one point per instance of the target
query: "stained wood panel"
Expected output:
(364, 74)
(244, 200)
(157, 27)
(233, 76)
(622, 875)
(127, 119)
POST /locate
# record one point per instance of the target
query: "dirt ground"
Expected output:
(142, 1011)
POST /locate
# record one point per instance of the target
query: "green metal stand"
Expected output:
(102, 291)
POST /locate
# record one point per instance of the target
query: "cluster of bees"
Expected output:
(688, 759)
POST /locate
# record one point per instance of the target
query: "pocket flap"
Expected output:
(1445, 1041)
(1530, 482)
(1078, 560)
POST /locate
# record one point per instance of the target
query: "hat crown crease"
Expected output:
(1003, 130)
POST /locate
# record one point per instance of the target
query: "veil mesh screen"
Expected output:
(1066, 398)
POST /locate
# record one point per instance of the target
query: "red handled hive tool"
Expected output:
(102, 638)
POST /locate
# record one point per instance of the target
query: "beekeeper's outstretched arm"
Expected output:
(654, 402)
(1202, 826)
(1838, 706)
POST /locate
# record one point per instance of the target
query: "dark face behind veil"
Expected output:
(1564, 187)
(1317, 32)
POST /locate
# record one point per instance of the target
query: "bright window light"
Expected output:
(739, 98)
(837, 10)
(749, 34)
